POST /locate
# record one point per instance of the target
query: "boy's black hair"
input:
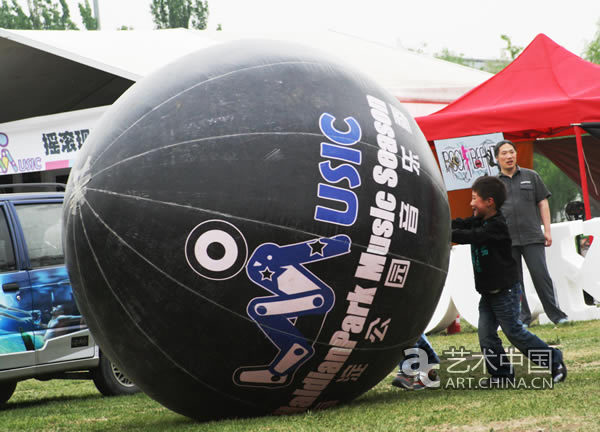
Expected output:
(490, 187)
(500, 144)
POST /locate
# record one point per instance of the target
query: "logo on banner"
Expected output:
(6, 159)
(21, 165)
(463, 160)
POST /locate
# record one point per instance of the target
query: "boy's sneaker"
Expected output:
(559, 374)
(403, 381)
(418, 384)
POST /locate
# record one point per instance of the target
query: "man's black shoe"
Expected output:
(559, 374)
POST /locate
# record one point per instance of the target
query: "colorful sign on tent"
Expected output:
(45, 143)
(462, 160)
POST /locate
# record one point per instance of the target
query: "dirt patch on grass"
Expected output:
(590, 351)
(583, 366)
(527, 424)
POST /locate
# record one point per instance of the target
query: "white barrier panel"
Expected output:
(444, 314)
(571, 274)
(590, 270)
(566, 269)
(460, 283)
(461, 286)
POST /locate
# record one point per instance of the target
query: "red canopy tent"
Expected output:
(546, 92)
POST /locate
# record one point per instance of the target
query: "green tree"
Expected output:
(179, 13)
(451, 56)
(493, 66)
(48, 15)
(87, 16)
(496, 65)
(512, 50)
(43, 15)
(592, 49)
(13, 17)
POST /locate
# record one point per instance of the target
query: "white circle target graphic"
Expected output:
(216, 235)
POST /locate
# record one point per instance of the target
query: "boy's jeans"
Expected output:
(502, 309)
(423, 343)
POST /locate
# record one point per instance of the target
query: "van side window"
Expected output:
(7, 253)
(42, 228)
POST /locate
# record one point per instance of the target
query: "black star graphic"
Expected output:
(266, 274)
(317, 247)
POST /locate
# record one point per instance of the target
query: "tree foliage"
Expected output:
(491, 65)
(496, 65)
(451, 56)
(87, 16)
(592, 49)
(508, 55)
(12, 16)
(179, 13)
(512, 50)
(43, 15)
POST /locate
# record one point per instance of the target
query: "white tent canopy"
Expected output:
(48, 72)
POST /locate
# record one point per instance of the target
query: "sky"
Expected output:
(468, 27)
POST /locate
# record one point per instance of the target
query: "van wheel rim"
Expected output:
(120, 377)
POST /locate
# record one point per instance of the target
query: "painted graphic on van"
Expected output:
(38, 311)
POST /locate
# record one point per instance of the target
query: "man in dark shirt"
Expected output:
(497, 280)
(526, 209)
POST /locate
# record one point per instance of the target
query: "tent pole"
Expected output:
(582, 174)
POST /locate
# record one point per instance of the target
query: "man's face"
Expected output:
(481, 207)
(507, 157)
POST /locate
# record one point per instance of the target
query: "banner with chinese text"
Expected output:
(45, 143)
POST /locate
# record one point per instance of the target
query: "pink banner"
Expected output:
(57, 165)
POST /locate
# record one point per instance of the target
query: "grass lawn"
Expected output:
(573, 405)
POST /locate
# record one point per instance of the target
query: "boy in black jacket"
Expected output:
(497, 280)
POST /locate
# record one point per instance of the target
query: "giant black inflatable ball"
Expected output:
(256, 229)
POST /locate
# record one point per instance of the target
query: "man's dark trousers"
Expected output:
(535, 258)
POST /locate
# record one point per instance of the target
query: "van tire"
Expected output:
(110, 381)
(6, 391)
